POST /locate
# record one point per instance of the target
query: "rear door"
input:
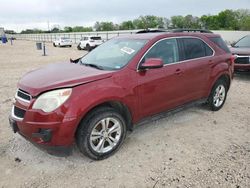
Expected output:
(198, 57)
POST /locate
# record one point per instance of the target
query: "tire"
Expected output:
(88, 48)
(54, 44)
(70, 46)
(101, 133)
(218, 95)
(79, 47)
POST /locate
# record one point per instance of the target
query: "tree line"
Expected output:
(224, 20)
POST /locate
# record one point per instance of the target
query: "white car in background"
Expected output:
(62, 41)
(89, 42)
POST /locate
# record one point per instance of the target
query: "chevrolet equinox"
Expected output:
(94, 100)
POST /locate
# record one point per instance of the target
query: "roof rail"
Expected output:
(191, 30)
(151, 31)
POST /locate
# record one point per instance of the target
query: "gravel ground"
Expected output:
(191, 148)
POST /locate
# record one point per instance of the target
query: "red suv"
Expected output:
(94, 100)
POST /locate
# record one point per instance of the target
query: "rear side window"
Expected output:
(95, 38)
(195, 48)
(219, 42)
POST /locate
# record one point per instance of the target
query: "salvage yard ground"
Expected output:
(191, 148)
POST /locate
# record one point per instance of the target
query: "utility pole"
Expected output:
(48, 26)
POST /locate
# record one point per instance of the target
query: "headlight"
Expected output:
(51, 100)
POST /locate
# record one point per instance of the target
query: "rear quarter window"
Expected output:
(196, 48)
(220, 43)
(96, 38)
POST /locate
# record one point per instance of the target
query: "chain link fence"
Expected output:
(228, 36)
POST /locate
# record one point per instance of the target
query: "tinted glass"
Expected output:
(219, 42)
(209, 51)
(194, 48)
(243, 43)
(95, 38)
(166, 49)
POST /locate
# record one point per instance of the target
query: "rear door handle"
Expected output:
(178, 71)
(210, 62)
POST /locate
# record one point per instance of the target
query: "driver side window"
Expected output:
(166, 49)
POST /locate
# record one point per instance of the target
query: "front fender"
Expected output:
(86, 97)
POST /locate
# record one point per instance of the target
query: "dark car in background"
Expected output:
(241, 49)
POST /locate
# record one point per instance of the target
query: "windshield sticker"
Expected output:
(127, 50)
(117, 67)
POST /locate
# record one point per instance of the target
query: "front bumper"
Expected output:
(55, 138)
(242, 62)
(50, 131)
(245, 67)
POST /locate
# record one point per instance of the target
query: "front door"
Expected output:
(162, 88)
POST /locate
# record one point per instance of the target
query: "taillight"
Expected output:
(232, 58)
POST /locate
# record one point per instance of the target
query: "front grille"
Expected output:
(242, 60)
(18, 112)
(22, 95)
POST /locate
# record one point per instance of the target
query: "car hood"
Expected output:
(240, 51)
(60, 75)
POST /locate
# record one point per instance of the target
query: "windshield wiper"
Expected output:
(93, 65)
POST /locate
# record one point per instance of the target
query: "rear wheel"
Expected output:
(88, 48)
(54, 44)
(218, 95)
(101, 133)
(79, 47)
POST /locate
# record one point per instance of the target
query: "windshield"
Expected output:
(243, 43)
(113, 54)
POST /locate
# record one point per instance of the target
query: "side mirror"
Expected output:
(233, 44)
(152, 63)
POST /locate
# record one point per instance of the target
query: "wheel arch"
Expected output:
(223, 76)
(117, 105)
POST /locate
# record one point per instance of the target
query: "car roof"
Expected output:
(151, 36)
(91, 36)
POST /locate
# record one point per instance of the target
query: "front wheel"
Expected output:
(218, 95)
(101, 133)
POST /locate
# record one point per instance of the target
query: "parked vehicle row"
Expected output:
(62, 41)
(86, 43)
(89, 42)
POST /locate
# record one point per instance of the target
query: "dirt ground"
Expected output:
(191, 148)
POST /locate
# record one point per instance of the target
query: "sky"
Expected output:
(29, 14)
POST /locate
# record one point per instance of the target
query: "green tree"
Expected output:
(148, 21)
(55, 30)
(126, 25)
(227, 19)
(245, 23)
(177, 22)
(68, 29)
(210, 22)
